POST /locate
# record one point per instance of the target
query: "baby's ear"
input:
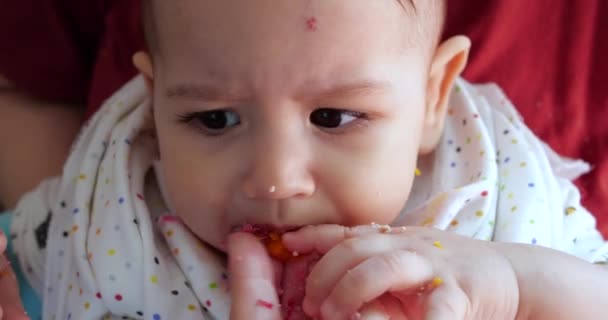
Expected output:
(449, 61)
(143, 63)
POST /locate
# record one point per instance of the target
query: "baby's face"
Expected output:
(288, 113)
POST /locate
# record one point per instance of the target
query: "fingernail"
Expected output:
(328, 310)
(308, 306)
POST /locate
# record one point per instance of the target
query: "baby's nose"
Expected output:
(278, 172)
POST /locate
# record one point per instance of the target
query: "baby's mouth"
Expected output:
(270, 235)
(264, 231)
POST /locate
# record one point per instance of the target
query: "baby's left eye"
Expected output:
(333, 118)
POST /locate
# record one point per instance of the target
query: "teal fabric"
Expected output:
(30, 299)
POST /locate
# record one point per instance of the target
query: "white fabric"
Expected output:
(109, 255)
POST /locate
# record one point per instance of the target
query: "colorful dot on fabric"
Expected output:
(121, 200)
(417, 173)
(118, 297)
(98, 231)
(169, 233)
(75, 211)
(453, 164)
(454, 223)
(523, 164)
(175, 292)
(80, 291)
(428, 221)
(98, 295)
(451, 112)
(438, 244)
(484, 194)
(191, 307)
(154, 279)
(436, 282)
(139, 196)
(213, 285)
(82, 176)
(532, 221)
(208, 303)
(264, 304)
(87, 305)
(156, 260)
(175, 251)
(479, 213)
(63, 204)
(513, 141)
(74, 228)
(533, 240)
(513, 208)
(510, 195)
(111, 252)
(531, 185)
(507, 159)
(107, 181)
(156, 316)
(570, 211)
(140, 313)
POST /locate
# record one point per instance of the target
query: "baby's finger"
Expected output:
(322, 238)
(9, 293)
(336, 263)
(372, 311)
(251, 279)
(2, 242)
(394, 271)
(447, 301)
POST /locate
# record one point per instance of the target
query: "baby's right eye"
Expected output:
(214, 122)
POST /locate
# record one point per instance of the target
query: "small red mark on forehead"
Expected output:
(311, 24)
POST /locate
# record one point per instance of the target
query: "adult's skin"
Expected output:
(35, 138)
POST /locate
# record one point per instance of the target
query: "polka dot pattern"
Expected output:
(114, 255)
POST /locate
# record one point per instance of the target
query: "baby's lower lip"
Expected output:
(263, 229)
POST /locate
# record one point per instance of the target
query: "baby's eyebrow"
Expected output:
(199, 92)
(355, 88)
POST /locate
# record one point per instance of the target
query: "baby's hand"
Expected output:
(10, 303)
(252, 279)
(416, 273)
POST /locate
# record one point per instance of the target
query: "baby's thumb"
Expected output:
(10, 302)
(254, 296)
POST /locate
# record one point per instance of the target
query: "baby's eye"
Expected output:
(214, 122)
(333, 118)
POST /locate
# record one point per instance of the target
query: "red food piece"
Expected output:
(295, 273)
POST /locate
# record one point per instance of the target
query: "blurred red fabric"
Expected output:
(548, 56)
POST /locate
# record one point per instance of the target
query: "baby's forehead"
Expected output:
(424, 19)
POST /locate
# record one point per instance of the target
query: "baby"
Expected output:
(347, 117)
